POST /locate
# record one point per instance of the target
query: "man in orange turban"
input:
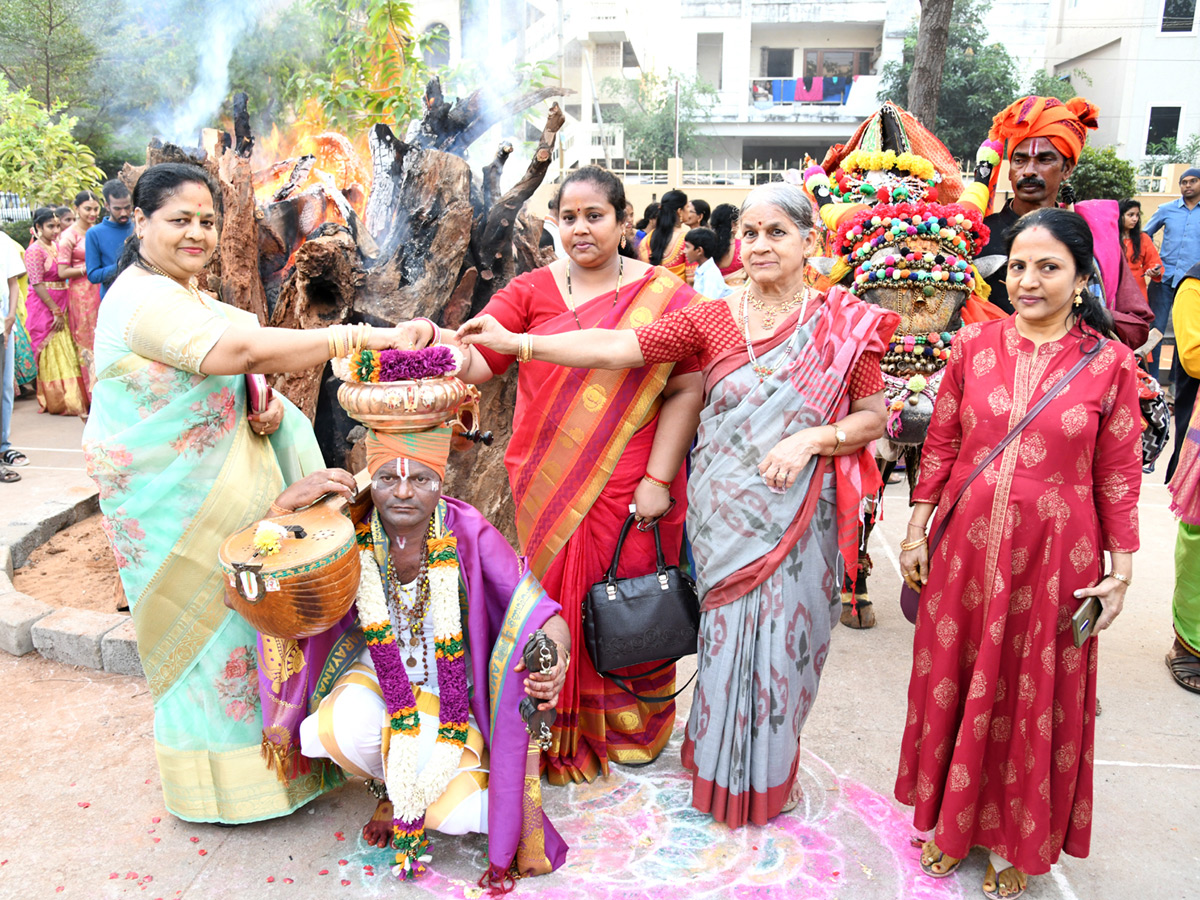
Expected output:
(1042, 137)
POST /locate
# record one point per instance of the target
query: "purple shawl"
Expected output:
(493, 575)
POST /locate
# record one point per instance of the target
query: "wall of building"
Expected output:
(1133, 66)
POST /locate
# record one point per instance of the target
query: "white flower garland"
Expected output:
(409, 795)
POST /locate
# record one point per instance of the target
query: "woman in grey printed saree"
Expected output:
(793, 397)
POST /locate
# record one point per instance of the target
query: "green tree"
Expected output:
(44, 47)
(40, 159)
(374, 70)
(978, 80)
(647, 111)
(1102, 175)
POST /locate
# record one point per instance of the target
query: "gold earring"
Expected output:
(1079, 297)
(622, 242)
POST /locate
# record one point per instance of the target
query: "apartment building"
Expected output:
(1142, 61)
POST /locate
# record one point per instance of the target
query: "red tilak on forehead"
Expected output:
(402, 467)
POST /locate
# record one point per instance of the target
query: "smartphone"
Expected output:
(1083, 622)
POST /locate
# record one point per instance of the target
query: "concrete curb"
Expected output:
(76, 637)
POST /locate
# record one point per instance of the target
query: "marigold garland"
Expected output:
(882, 160)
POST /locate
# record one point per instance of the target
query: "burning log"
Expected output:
(426, 242)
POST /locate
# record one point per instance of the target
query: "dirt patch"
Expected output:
(74, 568)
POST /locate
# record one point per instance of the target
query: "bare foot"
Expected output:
(378, 831)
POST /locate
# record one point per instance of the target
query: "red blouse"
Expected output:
(708, 330)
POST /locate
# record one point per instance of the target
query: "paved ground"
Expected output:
(83, 815)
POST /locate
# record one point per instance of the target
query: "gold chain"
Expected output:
(192, 289)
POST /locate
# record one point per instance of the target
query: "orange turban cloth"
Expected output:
(430, 447)
(1065, 125)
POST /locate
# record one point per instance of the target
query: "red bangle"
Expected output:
(662, 484)
(277, 510)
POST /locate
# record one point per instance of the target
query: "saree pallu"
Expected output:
(61, 387)
(179, 470)
(674, 260)
(24, 365)
(83, 297)
(770, 565)
(579, 449)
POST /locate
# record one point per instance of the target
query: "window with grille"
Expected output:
(608, 56)
(1178, 15)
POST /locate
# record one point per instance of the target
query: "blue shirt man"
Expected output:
(106, 239)
(1180, 221)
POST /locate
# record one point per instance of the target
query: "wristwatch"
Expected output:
(839, 437)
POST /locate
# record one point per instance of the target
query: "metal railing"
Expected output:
(13, 208)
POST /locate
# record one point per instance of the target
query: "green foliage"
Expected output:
(18, 231)
(647, 111)
(978, 80)
(1047, 84)
(43, 46)
(1102, 175)
(1171, 152)
(374, 68)
(40, 160)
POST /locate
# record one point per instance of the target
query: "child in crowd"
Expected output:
(700, 244)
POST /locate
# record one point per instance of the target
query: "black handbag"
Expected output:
(631, 621)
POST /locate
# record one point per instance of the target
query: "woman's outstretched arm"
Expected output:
(591, 348)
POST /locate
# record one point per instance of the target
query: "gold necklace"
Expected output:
(770, 312)
(764, 372)
(191, 288)
(571, 297)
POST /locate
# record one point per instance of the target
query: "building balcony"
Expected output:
(767, 11)
(811, 100)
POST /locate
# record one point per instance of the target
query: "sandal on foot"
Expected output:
(795, 795)
(927, 867)
(12, 457)
(1185, 668)
(995, 893)
(8, 476)
(864, 618)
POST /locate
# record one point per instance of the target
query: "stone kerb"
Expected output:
(74, 636)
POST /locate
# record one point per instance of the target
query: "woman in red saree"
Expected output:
(998, 743)
(793, 397)
(587, 446)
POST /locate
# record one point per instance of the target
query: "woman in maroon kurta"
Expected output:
(998, 742)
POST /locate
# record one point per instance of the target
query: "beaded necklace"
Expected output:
(413, 616)
(765, 372)
(571, 297)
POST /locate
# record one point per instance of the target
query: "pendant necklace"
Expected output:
(571, 297)
(770, 312)
(764, 372)
(412, 615)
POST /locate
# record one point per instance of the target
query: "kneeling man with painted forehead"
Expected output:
(423, 687)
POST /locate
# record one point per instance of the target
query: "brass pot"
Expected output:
(402, 406)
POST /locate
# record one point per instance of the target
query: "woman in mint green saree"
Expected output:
(180, 466)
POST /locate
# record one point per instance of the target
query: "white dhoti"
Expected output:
(351, 728)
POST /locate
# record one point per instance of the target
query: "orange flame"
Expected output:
(277, 154)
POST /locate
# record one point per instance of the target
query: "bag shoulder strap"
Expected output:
(1008, 438)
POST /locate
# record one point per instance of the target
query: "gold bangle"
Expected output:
(1127, 580)
(524, 347)
(277, 510)
(331, 345)
(913, 545)
(658, 482)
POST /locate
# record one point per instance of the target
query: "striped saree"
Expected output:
(179, 470)
(580, 442)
